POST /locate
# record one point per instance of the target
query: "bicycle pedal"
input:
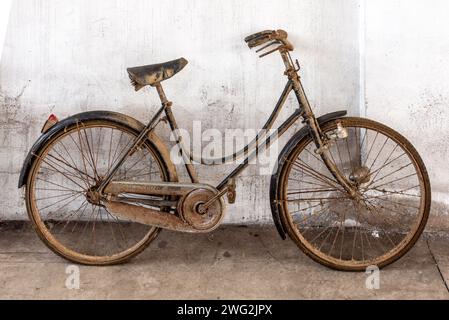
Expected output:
(231, 193)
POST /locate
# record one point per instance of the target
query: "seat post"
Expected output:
(162, 96)
(175, 129)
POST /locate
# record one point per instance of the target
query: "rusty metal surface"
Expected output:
(153, 74)
(154, 188)
(261, 38)
(148, 216)
(231, 192)
(187, 217)
(188, 209)
(187, 220)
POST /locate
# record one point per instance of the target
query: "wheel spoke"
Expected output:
(315, 174)
(351, 232)
(371, 149)
(81, 150)
(401, 179)
(63, 198)
(73, 165)
(47, 162)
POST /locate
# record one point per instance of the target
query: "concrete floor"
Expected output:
(232, 263)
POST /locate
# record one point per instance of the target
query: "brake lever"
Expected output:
(267, 46)
(271, 51)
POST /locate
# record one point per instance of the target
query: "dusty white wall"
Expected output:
(70, 56)
(5, 7)
(407, 82)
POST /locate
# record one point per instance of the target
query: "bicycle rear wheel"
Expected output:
(57, 192)
(348, 234)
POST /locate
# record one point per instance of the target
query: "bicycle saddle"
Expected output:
(155, 73)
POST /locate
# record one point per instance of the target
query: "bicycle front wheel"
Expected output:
(57, 193)
(352, 234)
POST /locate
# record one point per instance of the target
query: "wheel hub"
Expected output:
(360, 176)
(93, 196)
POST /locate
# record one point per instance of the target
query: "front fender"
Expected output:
(114, 117)
(301, 134)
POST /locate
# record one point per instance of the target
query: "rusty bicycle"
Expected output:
(350, 192)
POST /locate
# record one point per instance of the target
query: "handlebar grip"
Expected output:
(259, 38)
(258, 34)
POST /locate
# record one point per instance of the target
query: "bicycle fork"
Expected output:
(321, 141)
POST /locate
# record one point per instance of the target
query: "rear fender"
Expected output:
(114, 117)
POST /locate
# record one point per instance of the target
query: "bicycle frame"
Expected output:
(252, 149)
(334, 208)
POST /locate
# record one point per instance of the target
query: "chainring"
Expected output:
(188, 209)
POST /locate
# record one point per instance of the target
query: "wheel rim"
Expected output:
(72, 164)
(343, 232)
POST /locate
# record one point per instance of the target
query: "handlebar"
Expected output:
(276, 37)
